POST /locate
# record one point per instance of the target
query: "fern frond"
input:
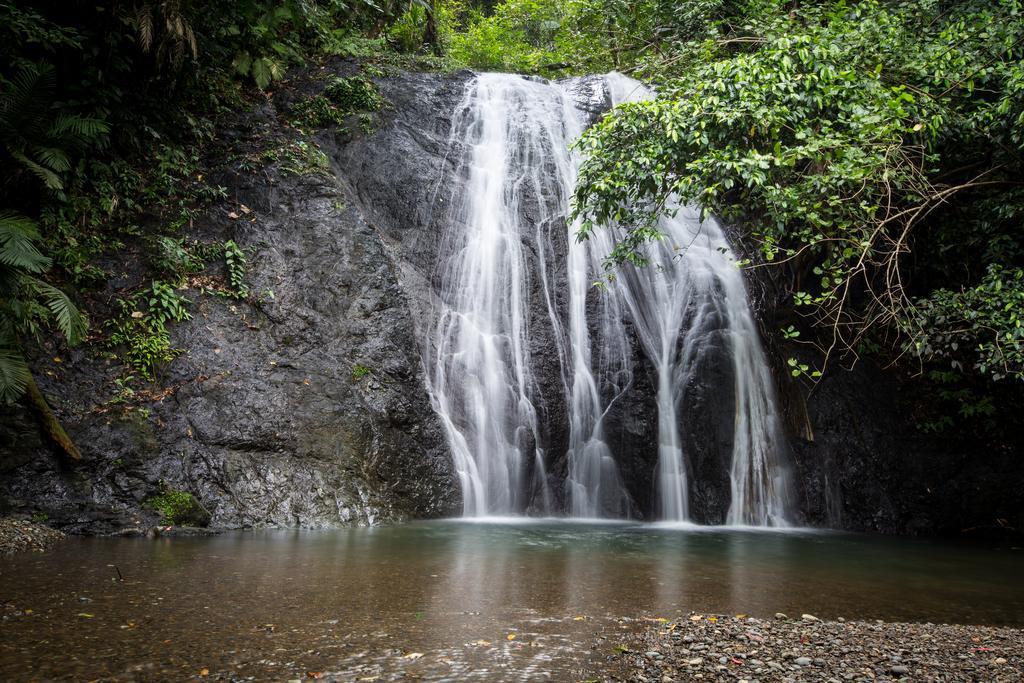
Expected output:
(25, 104)
(84, 127)
(262, 72)
(69, 319)
(14, 374)
(49, 178)
(17, 247)
(144, 26)
(52, 158)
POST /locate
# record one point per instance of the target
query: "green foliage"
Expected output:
(298, 157)
(360, 372)
(176, 257)
(318, 112)
(105, 112)
(341, 98)
(979, 328)
(841, 135)
(140, 329)
(27, 303)
(269, 37)
(354, 94)
(521, 35)
(178, 508)
(555, 37)
(234, 258)
(39, 139)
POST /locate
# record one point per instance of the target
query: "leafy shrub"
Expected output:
(354, 94)
(841, 136)
(979, 328)
(141, 328)
(178, 508)
(341, 98)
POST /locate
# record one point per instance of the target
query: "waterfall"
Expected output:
(514, 177)
(690, 288)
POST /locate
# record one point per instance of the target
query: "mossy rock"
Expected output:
(179, 508)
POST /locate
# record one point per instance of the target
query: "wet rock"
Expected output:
(307, 408)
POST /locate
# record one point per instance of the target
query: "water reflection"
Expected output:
(361, 600)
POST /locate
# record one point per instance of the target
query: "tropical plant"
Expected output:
(140, 330)
(28, 304)
(842, 136)
(35, 136)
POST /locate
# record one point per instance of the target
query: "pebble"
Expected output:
(774, 651)
(20, 534)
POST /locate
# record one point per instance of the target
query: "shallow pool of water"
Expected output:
(453, 599)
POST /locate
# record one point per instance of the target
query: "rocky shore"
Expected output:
(740, 648)
(20, 534)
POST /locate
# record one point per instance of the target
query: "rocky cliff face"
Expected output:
(307, 409)
(310, 408)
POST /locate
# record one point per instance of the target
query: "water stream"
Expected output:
(515, 175)
(439, 600)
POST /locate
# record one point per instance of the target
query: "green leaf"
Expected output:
(17, 244)
(14, 375)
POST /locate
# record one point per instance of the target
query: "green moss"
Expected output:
(178, 508)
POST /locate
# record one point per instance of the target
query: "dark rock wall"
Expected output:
(263, 417)
(862, 461)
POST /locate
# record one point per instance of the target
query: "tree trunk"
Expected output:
(430, 36)
(49, 422)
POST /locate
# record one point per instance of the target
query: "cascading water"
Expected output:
(691, 288)
(514, 177)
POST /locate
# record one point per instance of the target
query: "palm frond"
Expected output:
(52, 158)
(83, 127)
(17, 244)
(69, 319)
(144, 26)
(14, 374)
(25, 104)
(49, 178)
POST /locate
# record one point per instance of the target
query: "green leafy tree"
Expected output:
(843, 137)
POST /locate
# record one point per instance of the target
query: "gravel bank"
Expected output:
(20, 534)
(725, 648)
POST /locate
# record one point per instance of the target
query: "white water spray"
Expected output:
(513, 184)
